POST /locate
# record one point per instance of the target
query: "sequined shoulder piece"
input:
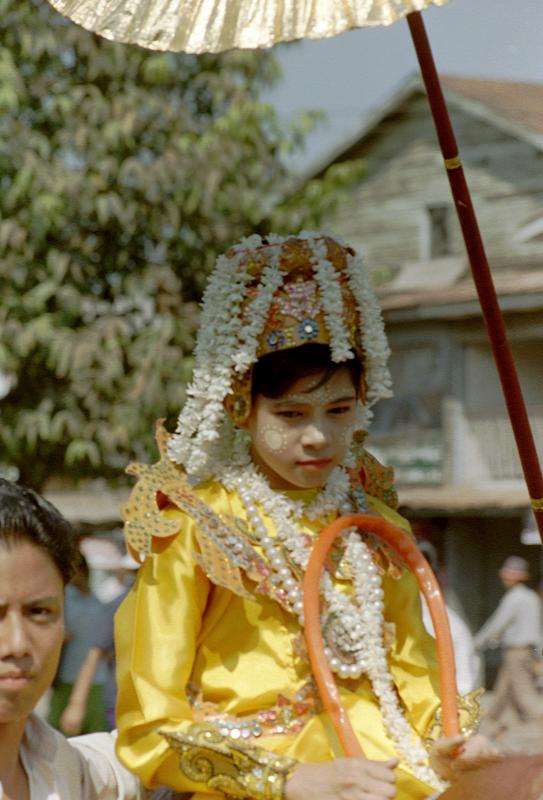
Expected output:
(376, 478)
(224, 552)
(143, 522)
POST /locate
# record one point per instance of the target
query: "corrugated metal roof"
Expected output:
(466, 499)
(510, 282)
(520, 102)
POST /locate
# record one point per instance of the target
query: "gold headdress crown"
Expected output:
(296, 314)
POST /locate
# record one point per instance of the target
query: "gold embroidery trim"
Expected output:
(537, 503)
(236, 769)
(469, 710)
(453, 163)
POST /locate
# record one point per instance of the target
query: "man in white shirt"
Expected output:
(516, 624)
(37, 557)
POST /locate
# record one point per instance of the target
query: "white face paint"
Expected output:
(298, 438)
(274, 438)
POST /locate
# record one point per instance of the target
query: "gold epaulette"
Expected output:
(224, 552)
(143, 521)
(376, 479)
(163, 485)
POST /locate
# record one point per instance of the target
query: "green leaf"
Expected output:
(81, 450)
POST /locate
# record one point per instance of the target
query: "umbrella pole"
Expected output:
(480, 269)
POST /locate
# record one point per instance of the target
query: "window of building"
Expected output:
(438, 226)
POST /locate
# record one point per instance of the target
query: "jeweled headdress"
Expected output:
(263, 296)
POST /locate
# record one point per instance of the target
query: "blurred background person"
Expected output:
(516, 625)
(101, 653)
(84, 614)
(108, 578)
(467, 661)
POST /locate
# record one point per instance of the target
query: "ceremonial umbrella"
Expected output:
(199, 26)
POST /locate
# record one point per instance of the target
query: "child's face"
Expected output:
(298, 438)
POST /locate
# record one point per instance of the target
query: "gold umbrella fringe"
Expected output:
(211, 27)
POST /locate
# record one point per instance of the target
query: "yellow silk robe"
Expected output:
(176, 627)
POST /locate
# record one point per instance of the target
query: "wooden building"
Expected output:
(446, 430)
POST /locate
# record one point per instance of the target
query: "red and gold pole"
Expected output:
(482, 276)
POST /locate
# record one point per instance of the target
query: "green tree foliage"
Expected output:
(122, 174)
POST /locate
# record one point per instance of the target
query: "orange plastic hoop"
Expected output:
(405, 547)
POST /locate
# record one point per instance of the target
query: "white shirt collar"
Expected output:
(37, 739)
(33, 748)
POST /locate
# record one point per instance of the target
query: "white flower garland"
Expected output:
(257, 314)
(374, 341)
(335, 495)
(369, 596)
(332, 303)
(200, 420)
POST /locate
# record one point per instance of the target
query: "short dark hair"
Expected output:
(275, 373)
(24, 515)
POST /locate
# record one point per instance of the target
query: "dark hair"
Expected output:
(24, 515)
(275, 373)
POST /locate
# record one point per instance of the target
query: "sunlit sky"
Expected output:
(352, 74)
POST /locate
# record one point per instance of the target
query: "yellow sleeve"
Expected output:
(156, 629)
(156, 638)
(413, 657)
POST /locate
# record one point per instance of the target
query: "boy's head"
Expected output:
(81, 577)
(266, 302)
(514, 570)
(303, 412)
(25, 515)
(38, 553)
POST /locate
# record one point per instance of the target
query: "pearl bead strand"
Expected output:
(361, 614)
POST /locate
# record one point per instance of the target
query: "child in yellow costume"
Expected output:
(216, 696)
